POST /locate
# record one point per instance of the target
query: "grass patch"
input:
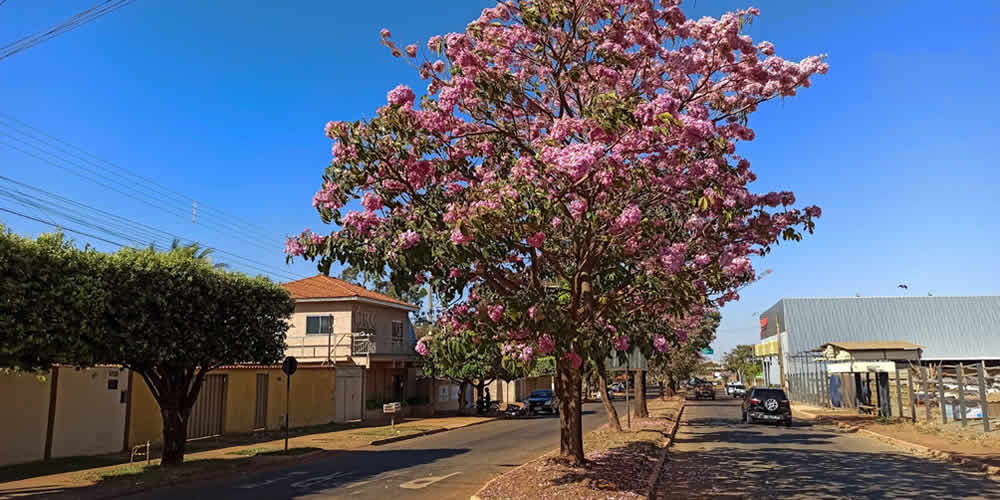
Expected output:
(248, 452)
(156, 474)
(18, 472)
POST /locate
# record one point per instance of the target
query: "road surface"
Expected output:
(716, 456)
(449, 465)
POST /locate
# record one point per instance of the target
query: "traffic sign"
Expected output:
(707, 350)
(290, 365)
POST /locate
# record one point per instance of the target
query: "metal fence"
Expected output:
(807, 378)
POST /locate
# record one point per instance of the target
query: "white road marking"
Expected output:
(417, 484)
(271, 481)
(306, 483)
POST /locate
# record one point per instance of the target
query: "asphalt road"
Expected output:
(449, 465)
(716, 456)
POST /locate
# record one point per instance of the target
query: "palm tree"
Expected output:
(194, 251)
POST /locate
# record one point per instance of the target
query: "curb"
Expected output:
(655, 475)
(379, 442)
(920, 449)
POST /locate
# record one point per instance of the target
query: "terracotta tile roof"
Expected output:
(325, 287)
(875, 346)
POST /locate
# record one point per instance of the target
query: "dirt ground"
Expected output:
(968, 441)
(618, 464)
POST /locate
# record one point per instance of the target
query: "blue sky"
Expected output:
(225, 102)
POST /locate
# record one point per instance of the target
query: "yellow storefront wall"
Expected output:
(312, 401)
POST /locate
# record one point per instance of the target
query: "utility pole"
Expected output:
(781, 355)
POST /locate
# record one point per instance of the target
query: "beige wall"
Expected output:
(90, 417)
(23, 418)
(311, 402)
(315, 347)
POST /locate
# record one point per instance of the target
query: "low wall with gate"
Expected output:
(241, 399)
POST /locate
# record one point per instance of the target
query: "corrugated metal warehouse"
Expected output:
(949, 328)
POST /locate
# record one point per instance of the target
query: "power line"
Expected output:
(66, 26)
(117, 226)
(98, 162)
(210, 223)
(64, 228)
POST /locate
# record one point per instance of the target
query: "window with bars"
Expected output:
(319, 325)
(397, 332)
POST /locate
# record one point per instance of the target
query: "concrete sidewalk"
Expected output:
(86, 483)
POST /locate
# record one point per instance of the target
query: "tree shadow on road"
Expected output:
(781, 468)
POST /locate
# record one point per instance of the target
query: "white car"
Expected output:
(736, 390)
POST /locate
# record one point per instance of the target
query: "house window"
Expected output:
(397, 332)
(318, 325)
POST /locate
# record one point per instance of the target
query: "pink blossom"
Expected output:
(438, 66)
(411, 50)
(622, 342)
(574, 359)
(459, 238)
(702, 259)
(629, 218)
(536, 240)
(813, 211)
(422, 348)
(577, 208)
(401, 96)
(495, 312)
(293, 247)
(556, 221)
(527, 353)
(385, 33)
(407, 239)
(575, 160)
(371, 201)
(455, 273)
(327, 197)
(317, 239)
(660, 343)
(532, 310)
(546, 344)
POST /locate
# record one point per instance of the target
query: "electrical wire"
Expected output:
(66, 26)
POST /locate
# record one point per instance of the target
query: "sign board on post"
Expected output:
(391, 409)
(708, 350)
(288, 366)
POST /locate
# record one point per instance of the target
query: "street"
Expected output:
(453, 464)
(716, 456)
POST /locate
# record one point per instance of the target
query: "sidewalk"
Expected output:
(104, 482)
(969, 443)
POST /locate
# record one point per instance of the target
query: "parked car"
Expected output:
(542, 401)
(703, 390)
(767, 405)
(736, 390)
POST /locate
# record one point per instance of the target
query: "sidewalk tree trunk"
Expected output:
(570, 412)
(640, 394)
(609, 407)
(567, 169)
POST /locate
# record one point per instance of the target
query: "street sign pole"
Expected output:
(288, 366)
(628, 414)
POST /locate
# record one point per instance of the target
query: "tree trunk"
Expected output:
(671, 385)
(463, 386)
(570, 412)
(434, 396)
(602, 382)
(640, 394)
(174, 435)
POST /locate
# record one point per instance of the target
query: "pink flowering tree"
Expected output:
(565, 157)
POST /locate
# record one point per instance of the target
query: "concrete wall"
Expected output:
(312, 402)
(89, 414)
(90, 411)
(24, 417)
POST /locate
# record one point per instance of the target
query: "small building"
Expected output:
(851, 366)
(366, 335)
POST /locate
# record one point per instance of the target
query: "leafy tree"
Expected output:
(53, 272)
(740, 361)
(166, 316)
(572, 163)
(413, 294)
(193, 250)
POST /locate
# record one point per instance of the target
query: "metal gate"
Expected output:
(207, 412)
(348, 395)
(260, 413)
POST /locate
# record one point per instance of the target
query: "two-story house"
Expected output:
(366, 335)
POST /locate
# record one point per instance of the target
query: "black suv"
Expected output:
(767, 405)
